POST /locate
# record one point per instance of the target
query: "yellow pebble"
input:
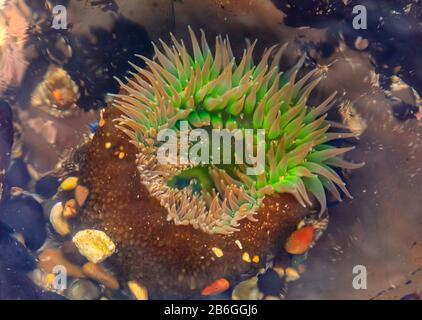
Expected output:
(280, 271)
(292, 275)
(50, 279)
(121, 155)
(108, 145)
(218, 252)
(246, 257)
(139, 292)
(101, 123)
(69, 184)
(255, 259)
(95, 245)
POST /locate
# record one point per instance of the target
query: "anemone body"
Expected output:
(171, 261)
(176, 241)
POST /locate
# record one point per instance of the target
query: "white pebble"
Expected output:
(94, 245)
(59, 223)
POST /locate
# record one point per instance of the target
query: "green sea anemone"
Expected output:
(186, 229)
(211, 89)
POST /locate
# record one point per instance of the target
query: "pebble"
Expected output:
(300, 241)
(247, 290)
(69, 184)
(239, 244)
(280, 271)
(50, 258)
(96, 272)
(57, 220)
(47, 186)
(83, 289)
(13, 254)
(81, 194)
(269, 283)
(138, 291)
(411, 296)
(292, 275)
(25, 215)
(39, 277)
(70, 209)
(246, 257)
(17, 174)
(217, 251)
(50, 278)
(216, 287)
(94, 245)
(16, 285)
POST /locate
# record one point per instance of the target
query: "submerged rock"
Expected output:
(25, 215)
(18, 175)
(13, 254)
(50, 258)
(270, 283)
(15, 285)
(47, 186)
(82, 289)
(247, 290)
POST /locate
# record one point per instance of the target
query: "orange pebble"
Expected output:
(300, 240)
(216, 287)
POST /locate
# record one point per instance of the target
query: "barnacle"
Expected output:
(57, 94)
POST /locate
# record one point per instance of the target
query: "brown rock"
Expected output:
(70, 209)
(50, 258)
(96, 272)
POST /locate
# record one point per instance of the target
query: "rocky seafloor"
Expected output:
(375, 71)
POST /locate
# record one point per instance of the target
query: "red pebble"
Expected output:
(216, 287)
(300, 240)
